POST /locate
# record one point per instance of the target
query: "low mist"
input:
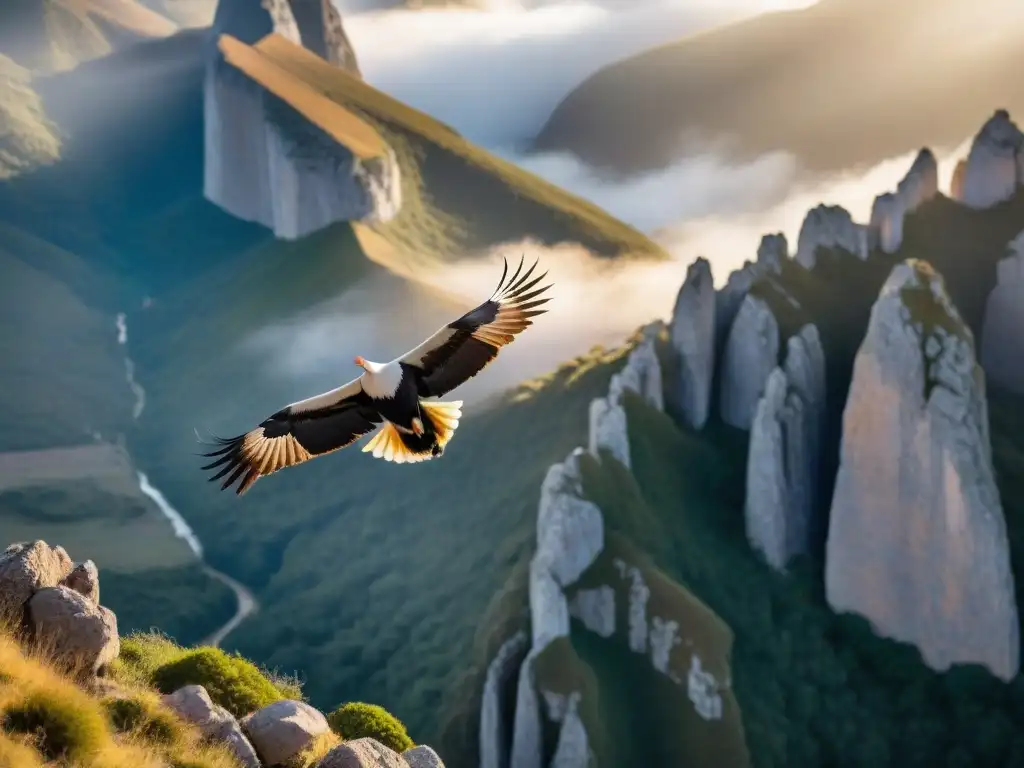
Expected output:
(497, 75)
(594, 300)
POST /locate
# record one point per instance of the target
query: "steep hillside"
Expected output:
(49, 35)
(771, 83)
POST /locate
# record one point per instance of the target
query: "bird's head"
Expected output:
(361, 362)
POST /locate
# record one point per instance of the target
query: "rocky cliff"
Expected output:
(784, 450)
(917, 542)
(771, 252)
(1002, 336)
(692, 333)
(829, 226)
(579, 572)
(885, 230)
(995, 165)
(264, 160)
(751, 352)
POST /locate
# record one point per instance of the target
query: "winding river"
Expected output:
(246, 602)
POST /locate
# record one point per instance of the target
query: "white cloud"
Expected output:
(497, 75)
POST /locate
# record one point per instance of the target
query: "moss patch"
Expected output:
(357, 720)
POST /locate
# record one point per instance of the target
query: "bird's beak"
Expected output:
(360, 362)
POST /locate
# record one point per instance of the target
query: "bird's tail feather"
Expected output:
(391, 444)
(387, 444)
(444, 417)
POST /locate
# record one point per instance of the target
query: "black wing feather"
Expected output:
(287, 439)
(466, 346)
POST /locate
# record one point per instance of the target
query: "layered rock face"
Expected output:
(500, 672)
(995, 164)
(829, 226)
(917, 542)
(782, 467)
(1002, 335)
(693, 340)
(751, 352)
(264, 161)
(921, 184)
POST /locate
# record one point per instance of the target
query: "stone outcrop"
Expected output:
(84, 579)
(193, 703)
(362, 753)
(642, 376)
(771, 252)
(282, 730)
(692, 333)
(26, 568)
(956, 184)
(830, 227)
(782, 466)
(750, 354)
(264, 161)
(500, 672)
(885, 231)
(995, 164)
(76, 632)
(917, 542)
(422, 757)
(1002, 335)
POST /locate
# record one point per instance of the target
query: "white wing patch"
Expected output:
(327, 399)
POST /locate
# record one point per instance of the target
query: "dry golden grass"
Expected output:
(46, 718)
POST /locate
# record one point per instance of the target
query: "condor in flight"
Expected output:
(414, 429)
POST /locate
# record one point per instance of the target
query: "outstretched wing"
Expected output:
(462, 349)
(297, 433)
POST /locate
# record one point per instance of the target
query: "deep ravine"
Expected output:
(246, 601)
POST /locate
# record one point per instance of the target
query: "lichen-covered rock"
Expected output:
(500, 673)
(422, 757)
(84, 579)
(264, 161)
(1002, 335)
(750, 354)
(193, 704)
(79, 634)
(282, 730)
(993, 170)
(25, 568)
(573, 747)
(570, 529)
(917, 541)
(829, 226)
(693, 341)
(362, 753)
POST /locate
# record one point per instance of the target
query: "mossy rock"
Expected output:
(233, 682)
(357, 720)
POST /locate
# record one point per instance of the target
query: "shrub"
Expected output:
(60, 727)
(19, 755)
(233, 682)
(357, 720)
(141, 716)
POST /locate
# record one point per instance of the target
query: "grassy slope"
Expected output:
(770, 83)
(50, 35)
(48, 717)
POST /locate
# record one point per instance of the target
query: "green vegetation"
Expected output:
(46, 717)
(27, 137)
(233, 682)
(357, 720)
